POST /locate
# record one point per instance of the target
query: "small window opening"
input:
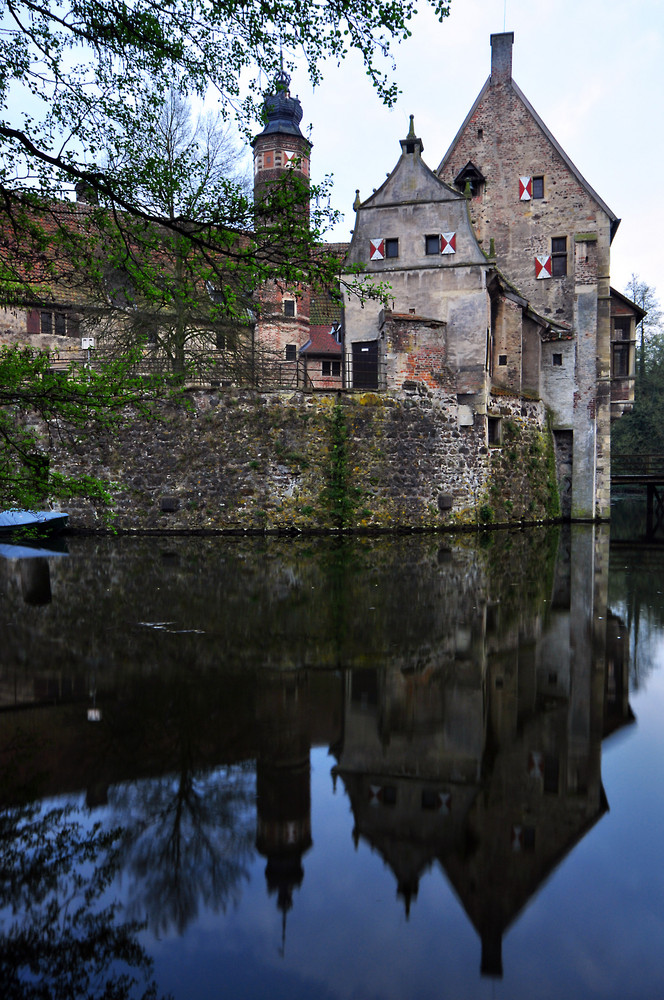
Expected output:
(502, 359)
(621, 359)
(331, 368)
(557, 360)
(528, 839)
(480, 133)
(559, 256)
(494, 431)
(430, 799)
(289, 307)
(392, 248)
(389, 795)
(432, 244)
(551, 775)
(291, 352)
(538, 187)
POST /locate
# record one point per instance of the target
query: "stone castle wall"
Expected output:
(239, 460)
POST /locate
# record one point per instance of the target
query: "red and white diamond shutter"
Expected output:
(376, 249)
(525, 188)
(543, 265)
(287, 158)
(448, 243)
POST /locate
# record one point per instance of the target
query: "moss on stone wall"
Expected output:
(245, 461)
(522, 482)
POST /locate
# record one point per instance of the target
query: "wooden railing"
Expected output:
(637, 467)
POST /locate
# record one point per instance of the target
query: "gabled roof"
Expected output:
(552, 329)
(422, 184)
(615, 221)
(639, 313)
(322, 341)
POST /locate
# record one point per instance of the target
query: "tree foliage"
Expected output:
(38, 404)
(166, 247)
(59, 935)
(78, 73)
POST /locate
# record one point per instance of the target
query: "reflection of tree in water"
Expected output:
(636, 594)
(187, 842)
(58, 938)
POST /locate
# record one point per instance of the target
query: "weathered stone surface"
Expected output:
(315, 462)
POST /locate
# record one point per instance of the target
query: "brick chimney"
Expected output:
(501, 57)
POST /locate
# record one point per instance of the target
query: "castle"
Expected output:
(492, 278)
(496, 267)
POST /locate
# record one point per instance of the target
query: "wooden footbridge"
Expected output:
(643, 471)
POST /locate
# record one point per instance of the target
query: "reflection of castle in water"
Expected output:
(475, 747)
(489, 763)
(283, 795)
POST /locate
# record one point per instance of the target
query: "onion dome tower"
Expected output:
(280, 146)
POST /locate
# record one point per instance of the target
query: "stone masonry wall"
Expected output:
(243, 461)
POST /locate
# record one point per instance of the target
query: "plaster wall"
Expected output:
(557, 381)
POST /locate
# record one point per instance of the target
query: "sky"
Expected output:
(594, 72)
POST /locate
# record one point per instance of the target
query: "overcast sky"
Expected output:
(592, 69)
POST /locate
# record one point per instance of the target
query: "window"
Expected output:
(551, 775)
(494, 431)
(620, 359)
(289, 307)
(392, 248)
(389, 795)
(621, 327)
(220, 340)
(559, 256)
(557, 360)
(291, 352)
(502, 359)
(538, 187)
(48, 323)
(331, 368)
(430, 799)
(432, 244)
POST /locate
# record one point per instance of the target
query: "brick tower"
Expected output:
(281, 153)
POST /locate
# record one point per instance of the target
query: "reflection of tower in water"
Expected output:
(487, 763)
(283, 783)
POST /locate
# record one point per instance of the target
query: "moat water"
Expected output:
(359, 769)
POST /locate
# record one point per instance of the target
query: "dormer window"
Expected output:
(469, 175)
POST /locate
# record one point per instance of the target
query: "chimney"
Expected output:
(501, 57)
